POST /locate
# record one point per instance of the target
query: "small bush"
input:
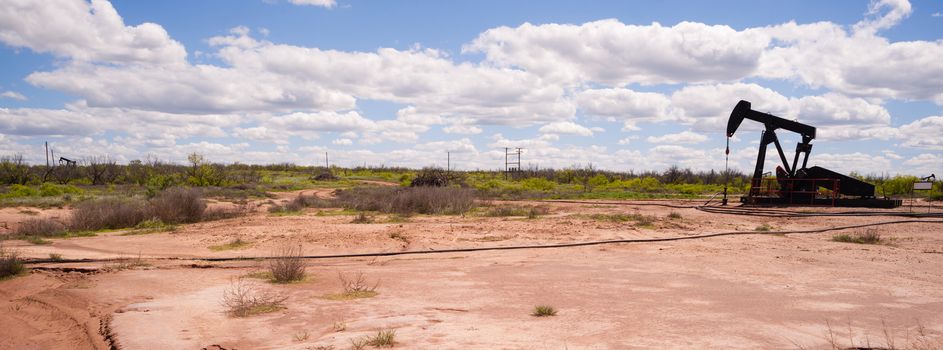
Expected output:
(107, 213)
(40, 227)
(243, 298)
(178, 205)
(55, 256)
(288, 266)
(355, 287)
(868, 237)
(674, 215)
(544, 310)
(764, 228)
(431, 177)
(10, 263)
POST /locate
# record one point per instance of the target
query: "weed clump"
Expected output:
(383, 339)
(362, 218)
(764, 228)
(288, 266)
(674, 215)
(355, 287)
(243, 298)
(237, 243)
(10, 263)
(867, 237)
(543, 311)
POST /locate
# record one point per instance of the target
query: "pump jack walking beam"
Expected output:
(743, 111)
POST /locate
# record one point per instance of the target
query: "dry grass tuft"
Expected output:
(288, 266)
(543, 311)
(867, 237)
(244, 298)
(237, 243)
(385, 338)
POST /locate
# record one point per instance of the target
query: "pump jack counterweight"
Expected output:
(795, 185)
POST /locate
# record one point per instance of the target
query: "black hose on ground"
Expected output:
(516, 247)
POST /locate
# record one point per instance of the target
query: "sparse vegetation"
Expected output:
(244, 298)
(40, 227)
(763, 228)
(359, 343)
(302, 336)
(362, 218)
(55, 256)
(356, 287)
(639, 219)
(405, 201)
(531, 212)
(674, 215)
(543, 311)
(234, 244)
(10, 263)
(867, 237)
(385, 338)
(37, 240)
(178, 205)
(288, 266)
(107, 213)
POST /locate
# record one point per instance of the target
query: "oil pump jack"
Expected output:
(795, 185)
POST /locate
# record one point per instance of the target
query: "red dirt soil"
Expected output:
(744, 292)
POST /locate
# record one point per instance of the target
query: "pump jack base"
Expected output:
(838, 202)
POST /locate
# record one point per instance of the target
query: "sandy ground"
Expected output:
(739, 292)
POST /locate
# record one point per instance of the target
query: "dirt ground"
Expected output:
(793, 291)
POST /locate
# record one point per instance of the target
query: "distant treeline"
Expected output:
(157, 174)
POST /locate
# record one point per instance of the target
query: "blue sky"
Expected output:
(619, 85)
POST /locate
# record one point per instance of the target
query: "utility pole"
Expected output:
(47, 153)
(326, 164)
(448, 161)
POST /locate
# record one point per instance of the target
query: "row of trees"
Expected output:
(102, 170)
(154, 173)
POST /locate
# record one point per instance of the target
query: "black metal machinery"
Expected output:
(795, 185)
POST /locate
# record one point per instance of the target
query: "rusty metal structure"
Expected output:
(795, 184)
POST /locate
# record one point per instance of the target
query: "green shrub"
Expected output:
(18, 191)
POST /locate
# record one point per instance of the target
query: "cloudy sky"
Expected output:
(619, 85)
